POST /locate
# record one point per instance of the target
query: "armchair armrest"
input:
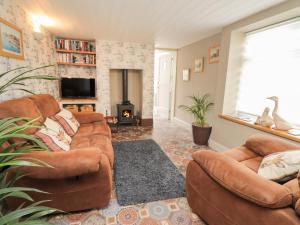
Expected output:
(242, 181)
(64, 164)
(265, 145)
(89, 117)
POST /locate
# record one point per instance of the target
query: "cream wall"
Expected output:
(199, 83)
(38, 51)
(226, 134)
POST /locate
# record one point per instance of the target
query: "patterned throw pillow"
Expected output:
(54, 136)
(66, 119)
(280, 166)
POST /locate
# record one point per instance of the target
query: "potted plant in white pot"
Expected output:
(199, 108)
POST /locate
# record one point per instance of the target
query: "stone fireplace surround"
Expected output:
(124, 55)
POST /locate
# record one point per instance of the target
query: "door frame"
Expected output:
(173, 53)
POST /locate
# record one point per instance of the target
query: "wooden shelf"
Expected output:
(75, 51)
(76, 64)
(78, 100)
(273, 131)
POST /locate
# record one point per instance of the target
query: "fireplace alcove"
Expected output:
(132, 103)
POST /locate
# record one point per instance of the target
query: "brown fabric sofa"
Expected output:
(224, 188)
(80, 178)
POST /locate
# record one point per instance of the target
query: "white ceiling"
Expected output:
(166, 23)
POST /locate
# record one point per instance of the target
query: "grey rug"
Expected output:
(143, 173)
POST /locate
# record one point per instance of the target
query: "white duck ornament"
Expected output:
(280, 123)
(265, 120)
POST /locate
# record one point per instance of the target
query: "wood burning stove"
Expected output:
(125, 109)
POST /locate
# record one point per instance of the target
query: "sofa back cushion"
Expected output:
(47, 104)
(265, 145)
(22, 107)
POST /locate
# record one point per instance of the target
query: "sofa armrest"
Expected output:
(89, 117)
(64, 164)
(242, 181)
(265, 145)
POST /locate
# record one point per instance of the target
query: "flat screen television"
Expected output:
(77, 88)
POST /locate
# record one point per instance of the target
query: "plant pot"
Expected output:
(201, 134)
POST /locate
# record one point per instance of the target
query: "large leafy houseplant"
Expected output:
(11, 128)
(199, 108)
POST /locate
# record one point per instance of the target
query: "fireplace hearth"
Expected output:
(125, 109)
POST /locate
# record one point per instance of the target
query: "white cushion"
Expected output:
(280, 166)
(66, 119)
(54, 136)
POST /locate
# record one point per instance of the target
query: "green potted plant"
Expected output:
(199, 108)
(13, 128)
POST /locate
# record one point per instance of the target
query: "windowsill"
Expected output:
(279, 133)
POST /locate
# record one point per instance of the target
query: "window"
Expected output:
(271, 67)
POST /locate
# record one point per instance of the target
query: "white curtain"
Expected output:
(271, 67)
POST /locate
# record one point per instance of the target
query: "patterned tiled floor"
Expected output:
(177, 143)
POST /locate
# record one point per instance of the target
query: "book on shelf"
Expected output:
(76, 58)
(75, 45)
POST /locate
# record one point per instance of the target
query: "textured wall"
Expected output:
(124, 55)
(37, 52)
(76, 71)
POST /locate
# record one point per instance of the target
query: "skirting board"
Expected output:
(183, 123)
(147, 122)
(213, 144)
(217, 146)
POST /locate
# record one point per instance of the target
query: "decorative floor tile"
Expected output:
(177, 143)
(159, 210)
(128, 216)
(143, 213)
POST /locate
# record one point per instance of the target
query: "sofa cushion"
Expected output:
(89, 117)
(240, 153)
(253, 163)
(242, 181)
(66, 119)
(265, 145)
(94, 128)
(54, 136)
(46, 103)
(94, 140)
(280, 166)
(75, 163)
(22, 107)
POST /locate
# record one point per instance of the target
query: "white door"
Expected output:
(164, 86)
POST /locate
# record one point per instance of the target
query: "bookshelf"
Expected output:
(74, 52)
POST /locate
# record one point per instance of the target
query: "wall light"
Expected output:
(39, 21)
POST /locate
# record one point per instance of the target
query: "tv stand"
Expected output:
(79, 104)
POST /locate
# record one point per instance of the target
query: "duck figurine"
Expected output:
(265, 120)
(280, 123)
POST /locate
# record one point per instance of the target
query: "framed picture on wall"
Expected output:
(11, 40)
(214, 54)
(199, 65)
(186, 75)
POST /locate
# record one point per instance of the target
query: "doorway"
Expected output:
(164, 83)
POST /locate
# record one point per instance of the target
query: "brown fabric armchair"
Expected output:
(77, 179)
(224, 188)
